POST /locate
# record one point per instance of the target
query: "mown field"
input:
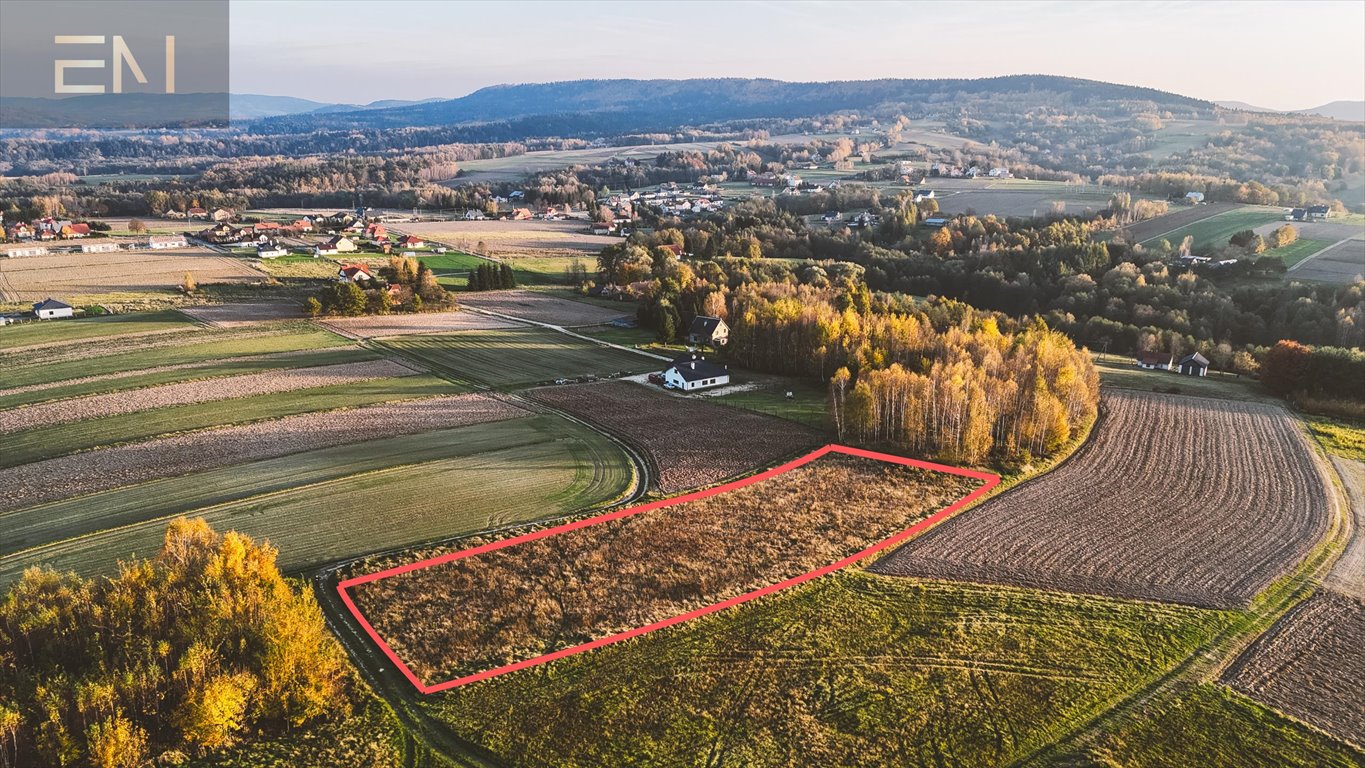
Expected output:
(1297, 251)
(850, 670)
(321, 506)
(1214, 231)
(30, 334)
(517, 357)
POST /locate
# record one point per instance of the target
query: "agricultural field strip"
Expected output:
(43, 334)
(1143, 511)
(73, 275)
(1162, 226)
(85, 350)
(622, 612)
(554, 463)
(1311, 665)
(46, 345)
(35, 528)
(169, 374)
(721, 441)
(379, 326)
(103, 469)
(1216, 229)
(189, 392)
(515, 357)
(540, 307)
(73, 437)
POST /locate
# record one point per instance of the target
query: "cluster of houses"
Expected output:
(200, 214)
(949, 171)
(674, 200)
(1190, 365)
(690, 372)
(154, 242)
(47, 229)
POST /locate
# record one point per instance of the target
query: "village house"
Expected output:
(271, 250)
(1194, 365)
(304, 224)
(1000, 173)
(158, 242)
(218, 234)
(711, 331)
(105, 246)
(334, 246)
(1155, 361)
(20, 231)
(1317, 212)
(222, 214)
(693, 372)
(411, 241)
(51, 309)
(923, 194)
(602, 228)
(521, 214)
(376, 231)
(197, 213)
(353, 273)
(265, 226)
(474, 214)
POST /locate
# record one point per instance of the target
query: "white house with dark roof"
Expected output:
(51, 309)
(711, 331)
(693, 372)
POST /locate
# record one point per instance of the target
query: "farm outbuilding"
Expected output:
(1155, 361)
(51, 309)
(1194, 365)
(692, 372)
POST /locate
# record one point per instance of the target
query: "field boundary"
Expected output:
(989, 482)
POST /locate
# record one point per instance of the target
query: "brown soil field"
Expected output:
(539, 596)
(378, 326)
(1342, 263)
(1174, 498)
(1180, 217)
(238, 314)
(1348, 575)
(541, 308)
(105, 468)
(514, 238)
(689, 443)
(223, 388)
(1311, 665)
(69, 276)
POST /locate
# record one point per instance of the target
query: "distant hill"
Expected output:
(248, 106)
(655, 104)
(1340, 110)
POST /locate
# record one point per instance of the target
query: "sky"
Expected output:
(1279, 55)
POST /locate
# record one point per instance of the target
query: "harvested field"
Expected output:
(1311, 665)
(237, 314)
(1348, 575)
(376, 326)
(184, 393)
(518, 356)
(466, 613)
(848, 670)
(73, 275)
(721, 442)
(514, 238)
(1174, 498)
(1342, 263)
(1163, 226)
(336, 503)
(541, 308)
(102, 469)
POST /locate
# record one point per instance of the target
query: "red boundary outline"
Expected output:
(989, 479)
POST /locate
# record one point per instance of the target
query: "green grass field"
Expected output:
(76, 329)
(46, 442)
(1213, 727)
(850, 670)
(1214, 231)
(208, 370)
(1120, 371)
(516, 357)
(1343, 438)
(1297, 251)
(323, 505)
(807, 405)
(216, 344)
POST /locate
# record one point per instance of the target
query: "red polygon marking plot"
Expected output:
(989, 481)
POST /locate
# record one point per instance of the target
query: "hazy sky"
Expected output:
(1284, 55)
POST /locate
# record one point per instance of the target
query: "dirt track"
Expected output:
(1348, 575)
(1175, 498)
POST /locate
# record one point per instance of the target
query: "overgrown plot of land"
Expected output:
(517, 357)
(65, 331)
(689, 442)
(533, 597)
(343, 502)
(850, 670)
(1175, 498)
(1311, 664)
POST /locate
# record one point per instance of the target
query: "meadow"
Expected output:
(31, 334)
(516, 357)
(1214, 231)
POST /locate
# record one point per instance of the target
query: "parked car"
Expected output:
(656, 378)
